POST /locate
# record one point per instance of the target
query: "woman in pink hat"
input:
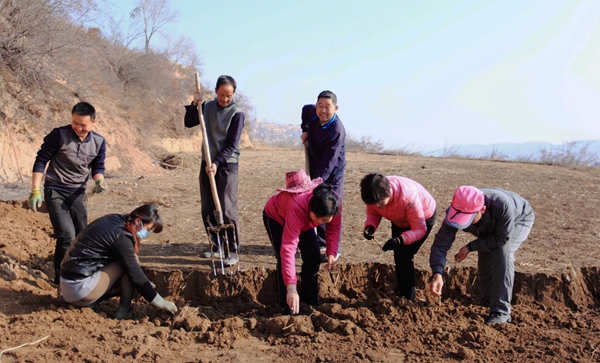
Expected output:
(290, 218)
(411, 209)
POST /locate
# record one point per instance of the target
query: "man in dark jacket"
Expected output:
(71, 151)
(325, 137)
(500, 220)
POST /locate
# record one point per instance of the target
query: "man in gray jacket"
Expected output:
(73, 153)
(500, 220)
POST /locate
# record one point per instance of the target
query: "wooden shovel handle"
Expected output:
(206, 149)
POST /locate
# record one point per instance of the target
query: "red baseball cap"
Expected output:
(466, 202)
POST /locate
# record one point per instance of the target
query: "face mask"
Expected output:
(142, 233)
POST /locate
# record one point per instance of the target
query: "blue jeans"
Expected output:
(68, 215)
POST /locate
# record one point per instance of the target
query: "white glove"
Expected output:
(163, 304)
(197, 98)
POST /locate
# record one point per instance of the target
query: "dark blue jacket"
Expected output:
(327, 146)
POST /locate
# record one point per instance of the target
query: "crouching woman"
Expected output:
(101, 262)
(290, 218)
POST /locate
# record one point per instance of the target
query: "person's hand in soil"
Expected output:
(330, 262)
(462, 254)
(163, 304)
(293, 299)
(436, 285)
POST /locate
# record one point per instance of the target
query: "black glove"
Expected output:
(393, 243)
(368, 232)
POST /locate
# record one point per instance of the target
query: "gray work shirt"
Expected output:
(504, 209)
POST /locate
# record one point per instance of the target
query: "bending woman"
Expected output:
(290, 218)
(104, 255)
(411, 209)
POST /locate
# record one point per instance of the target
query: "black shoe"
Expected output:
(123, 314)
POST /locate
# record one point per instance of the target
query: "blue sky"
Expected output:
(418, 75)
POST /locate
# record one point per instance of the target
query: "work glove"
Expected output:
(100, 186)
(368, 232)
(198, 98)
(35, 199)
(163, 304)
(393, 243)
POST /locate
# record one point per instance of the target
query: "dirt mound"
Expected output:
(556, 313)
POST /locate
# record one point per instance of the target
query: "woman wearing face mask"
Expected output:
(101, 262)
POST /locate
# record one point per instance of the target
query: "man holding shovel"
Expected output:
(324, 136)
(224, 123)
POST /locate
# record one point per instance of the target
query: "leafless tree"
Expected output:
(182, 51)
(152, 16)
(33, 31)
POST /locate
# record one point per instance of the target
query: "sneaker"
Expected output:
(209, 254)
(123, 313)
(232, 259)
(498, 318)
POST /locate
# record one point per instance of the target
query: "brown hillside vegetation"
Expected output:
(233, 318)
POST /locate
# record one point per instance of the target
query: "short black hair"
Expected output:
(84, 109)
(324, 202)
(328, 94)
(374, 188)
(147, 213)
(224, 79)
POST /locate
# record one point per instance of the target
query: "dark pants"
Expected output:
(226, 181)
(68, 215)
(337, 182)
(403, 257)
(311, 260)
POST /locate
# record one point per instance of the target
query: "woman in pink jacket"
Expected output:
(290, 218)
(411, 209)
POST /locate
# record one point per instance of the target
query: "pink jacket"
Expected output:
(410, 205)
(292, 212)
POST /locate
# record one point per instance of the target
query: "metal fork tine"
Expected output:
(221, 254)
(212, 255)
(237, 247)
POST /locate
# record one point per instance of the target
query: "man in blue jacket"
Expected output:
(325, 136)
(71, 151)
(500, 220)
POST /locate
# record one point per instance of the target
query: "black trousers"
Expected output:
(403, 257)
(226, 181)
(311, 261)
(68, 215)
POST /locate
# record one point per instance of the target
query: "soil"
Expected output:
(234, 318)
